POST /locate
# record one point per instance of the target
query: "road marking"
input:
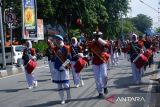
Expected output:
(44, 66)
(148, 96)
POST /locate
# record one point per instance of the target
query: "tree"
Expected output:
(142, 22)
(45, 10)
(115, 9)
(128, 27)
(158, 30)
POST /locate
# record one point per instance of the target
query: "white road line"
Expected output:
(42, 66)
(22, 72)
(148, 96)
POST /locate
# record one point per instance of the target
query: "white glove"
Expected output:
(61, 68)
(80, 55)
(66, 63)
(101, 41)
(34, 57)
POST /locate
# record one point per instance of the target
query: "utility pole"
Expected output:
(152, 9)
(2, 37)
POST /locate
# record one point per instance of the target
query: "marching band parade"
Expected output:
(104, 58)
(68, 60)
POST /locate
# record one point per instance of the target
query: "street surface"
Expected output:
(14, 92)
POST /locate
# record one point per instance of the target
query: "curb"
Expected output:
(3, 73)
(11, 70)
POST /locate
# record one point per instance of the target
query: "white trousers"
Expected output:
(76, 76)
(51, 67)
(137, 73)
(30, 78)
(100, 73)
(64, 87)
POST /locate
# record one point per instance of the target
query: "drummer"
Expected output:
(135, 50)
(76, 53)
(29, 53)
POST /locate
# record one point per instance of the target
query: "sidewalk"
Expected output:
(15, 70)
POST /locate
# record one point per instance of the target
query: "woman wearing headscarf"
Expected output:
(29, 53)
(134, 52)
(76, 53)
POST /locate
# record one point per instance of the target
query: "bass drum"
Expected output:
(31, 65)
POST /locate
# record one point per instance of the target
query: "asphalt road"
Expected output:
(14, 92)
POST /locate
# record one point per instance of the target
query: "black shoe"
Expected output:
(105, 90)
(101, 95)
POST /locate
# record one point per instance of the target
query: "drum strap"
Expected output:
(134, 48)
(96, 53)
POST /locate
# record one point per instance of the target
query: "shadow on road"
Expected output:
(12, 90)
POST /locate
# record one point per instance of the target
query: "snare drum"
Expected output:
(148, 53)
(79, 65)
(140, 60)
(31, 65)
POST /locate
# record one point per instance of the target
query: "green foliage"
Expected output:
(105, 14)
(41, 45)
(115, 9)
(75, 33)
(142, 22)
(158, 30)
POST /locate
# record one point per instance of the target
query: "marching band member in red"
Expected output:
(135, 50)
(48, 53)
(116, 53)
(148, 45)
(29, 53)
(99, 61)
(61, 59)
(76, 53)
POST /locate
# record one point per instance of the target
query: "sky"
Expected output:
(138, 7)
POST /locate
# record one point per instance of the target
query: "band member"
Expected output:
(61, 59)
(29, 53)
(116, 52)
(76, 53)
(112, 53)
(99, 61)
(48, 53)
(148, 45)
(135, 50)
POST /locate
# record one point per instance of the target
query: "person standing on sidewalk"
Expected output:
(99, 62)
(61, 59)
(28, 54)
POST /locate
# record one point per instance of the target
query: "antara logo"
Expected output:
(130, 99)
(113, 98)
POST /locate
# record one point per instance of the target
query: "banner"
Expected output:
(29, 19)
(40, 29)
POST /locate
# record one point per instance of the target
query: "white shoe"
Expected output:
(77, 85)
(35, 84)
(30, 87)
(63, 102)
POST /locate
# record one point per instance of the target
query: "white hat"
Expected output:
(97, 33)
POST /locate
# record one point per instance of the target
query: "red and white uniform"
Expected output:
(99, 61)
(76, 53)
(29, 53)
